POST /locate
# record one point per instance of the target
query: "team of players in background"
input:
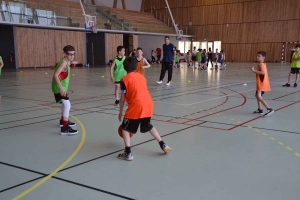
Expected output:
(200, 56)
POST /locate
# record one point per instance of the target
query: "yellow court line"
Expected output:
(289, 148)
(83, 135)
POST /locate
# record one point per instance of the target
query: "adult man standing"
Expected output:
(169, 53)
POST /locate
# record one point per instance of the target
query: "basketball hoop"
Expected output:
(94, 29)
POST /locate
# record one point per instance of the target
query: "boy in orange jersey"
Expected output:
(140, 108)
(262, 83)
(142, 62)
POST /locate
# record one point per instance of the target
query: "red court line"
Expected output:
(245, 100)
(203, 110)
(261, 116)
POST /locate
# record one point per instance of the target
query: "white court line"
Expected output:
(212, 98)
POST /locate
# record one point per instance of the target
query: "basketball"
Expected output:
(121, 133)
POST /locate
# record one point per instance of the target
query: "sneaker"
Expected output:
(287, 85)
(68, 131)
(168, 83)
(125, 156)
(159, 82)
(258, 111)
(166, 148)
(71, 124)
(269, 112)
(117, 101)
(295, 85)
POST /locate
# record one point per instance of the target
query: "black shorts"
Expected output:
(117, 82)
(194, 58)
(132, 125)
(158, 57)
(295, 70)
(58, 97)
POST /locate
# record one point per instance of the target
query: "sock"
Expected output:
(65, 123)
(127, 150)
(161, 143)
(117, 99)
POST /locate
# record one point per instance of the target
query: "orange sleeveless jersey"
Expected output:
(262, 81)
(139, 68)
(138, 98)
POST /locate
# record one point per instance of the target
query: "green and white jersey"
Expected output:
(119, 71)
(64, 78)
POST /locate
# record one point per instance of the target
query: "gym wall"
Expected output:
(44, 47)
(243, 26)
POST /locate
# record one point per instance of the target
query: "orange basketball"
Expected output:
(121, 133)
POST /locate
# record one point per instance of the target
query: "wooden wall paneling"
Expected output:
(112, 41)
(135, 41)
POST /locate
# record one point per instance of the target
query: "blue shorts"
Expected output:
(222, 61)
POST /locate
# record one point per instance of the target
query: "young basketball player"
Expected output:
(199, 58)
(117, 71)
(142, 62)
(203, 60)
(1, 65)
(295, 66)
(140, 108)
(60, 86)
(188, 58)
(262, 83)
(194, 58)
(177, 59)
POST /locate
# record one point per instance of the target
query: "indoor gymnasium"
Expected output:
(149, 99)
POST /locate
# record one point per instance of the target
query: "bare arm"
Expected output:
(112, 72)
(56, 78)
(295, 59)
(147, 65)
(122, 102)
(1, 63)
(261, 72)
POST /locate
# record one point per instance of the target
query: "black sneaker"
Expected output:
(258, 111)
(287, 85)
(166, 148)
(117, 101)
(269, 112)
(71, 124)
(295, 85)
(68, 131)
(125, 156)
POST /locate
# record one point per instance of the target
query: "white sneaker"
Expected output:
(159, 82)
(168, 83)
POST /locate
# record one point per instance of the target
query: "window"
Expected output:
(217, 45)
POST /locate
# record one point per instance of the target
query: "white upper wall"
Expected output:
(130, 4)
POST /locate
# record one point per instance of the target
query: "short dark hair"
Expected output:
(130, 64)
(263, 53)
(68, 48)
(119, 48)
(167, 37)
(297, 46)
(140, 48)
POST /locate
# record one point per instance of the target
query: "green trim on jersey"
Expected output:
(119, 71)
(296, 64)
(64, 83)
(199, 56)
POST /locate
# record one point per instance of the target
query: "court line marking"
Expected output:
(271, 138)
(83, 136)
(227, 95)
